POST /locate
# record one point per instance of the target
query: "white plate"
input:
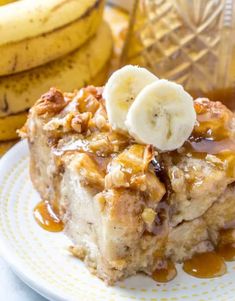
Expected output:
(41, 258)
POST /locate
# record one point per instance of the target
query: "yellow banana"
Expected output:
(5, 146)
(18, 92)
(3, 2)
(34, 50)
(26, 18)
(9, 125)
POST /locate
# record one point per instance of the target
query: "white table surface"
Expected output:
(12, 288)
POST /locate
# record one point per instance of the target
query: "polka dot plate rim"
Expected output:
(41, 259)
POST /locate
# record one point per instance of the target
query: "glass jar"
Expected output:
(191, 42)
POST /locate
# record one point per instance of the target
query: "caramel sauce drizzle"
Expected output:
(212, 135)
(46, 217)
(166, 272)
(226, 246)
(202, 265)
(205, 265)
(227, 251)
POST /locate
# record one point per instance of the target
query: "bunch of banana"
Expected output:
(62, 43)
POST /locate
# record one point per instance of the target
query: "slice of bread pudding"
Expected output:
(127, 206)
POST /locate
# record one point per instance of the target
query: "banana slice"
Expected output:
(121, 90)
(162, 115)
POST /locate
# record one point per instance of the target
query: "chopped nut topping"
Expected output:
(72, 121)
(51, 103)
(80, 122)
(86, 101)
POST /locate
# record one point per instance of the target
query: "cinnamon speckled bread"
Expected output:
(127, 206)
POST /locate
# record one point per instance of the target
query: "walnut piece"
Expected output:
(51, 102)
(80, 122)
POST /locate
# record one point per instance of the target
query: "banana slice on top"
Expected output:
(162, 115)
(121, 90)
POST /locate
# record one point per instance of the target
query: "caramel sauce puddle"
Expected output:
(166, 273)
(46, 217)
(205, 265)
